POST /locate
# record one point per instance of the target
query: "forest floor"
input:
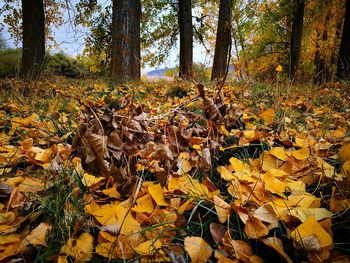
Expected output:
(169, 171)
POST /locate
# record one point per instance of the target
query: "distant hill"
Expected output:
(158, 73)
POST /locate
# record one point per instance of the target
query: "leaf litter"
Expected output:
(141, 171)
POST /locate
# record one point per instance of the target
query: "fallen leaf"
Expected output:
(344, 152)
(149, 247)
(80, 248)
(31, 185)
(198, 249)
(268, 116)
(157, 194)
(254, 228)
(222, 208)
(144, 204)
(217, 232)
(311, 228)
(301, 154)
(89, 180)
(277, 245)
(237, 164)
(279, 153)
(242, 250)
(37, 237)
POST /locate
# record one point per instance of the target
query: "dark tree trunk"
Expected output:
(296, 37)
(343, 69)
(186, 39)
(223, 41)
(125, 47)
(33, 50)
(321, 72)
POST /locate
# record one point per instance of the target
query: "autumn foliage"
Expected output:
(237, 176)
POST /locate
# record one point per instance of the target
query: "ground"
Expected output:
(174, 171)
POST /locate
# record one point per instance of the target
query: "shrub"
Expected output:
(61, 64)
(9, 62)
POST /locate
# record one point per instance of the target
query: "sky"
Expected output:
(71, 41)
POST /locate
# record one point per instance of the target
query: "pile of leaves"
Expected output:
(229, 177)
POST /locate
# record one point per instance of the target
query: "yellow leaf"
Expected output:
(11, 250)
(311, 228)
(157, 194)
(222, 208)
(105, 215)
(198, 249)
(149, 247)
(307, 142)
(279, 153)
(37, 237)
(279, 68)
(225, 174)
(268, 116)
(196, 147)
(277, 172)
(81, 248)
(7, 218)
(44, 156)
(144, 204)
(301, 154)
(90, 180)
(237, 164)
(249, 135)
(274, 185)
(111, 192)
(344, 152)
(305, 213)
(4, 240)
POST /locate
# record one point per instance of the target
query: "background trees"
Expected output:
(308, 38)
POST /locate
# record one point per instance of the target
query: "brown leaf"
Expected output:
(217, 232)
(242, 250)
(254, 228)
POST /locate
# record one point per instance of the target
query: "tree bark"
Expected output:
(223, 41)
(296, 37)
(125, 47)
(33, 50)
(186, 39)
(321, 72)
(343, 68)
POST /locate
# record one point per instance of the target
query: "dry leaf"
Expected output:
(80, 248)
(279, 153)
(157, 194)
(198, 249)
(254, 228)
(222, 208)
(242, 250)
(311, 230)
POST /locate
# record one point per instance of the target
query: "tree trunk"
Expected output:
(223, 41)
(321, 72)
(125, 47)
(296, 37)
(33, 50)
(343, 69)
(186, 39)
